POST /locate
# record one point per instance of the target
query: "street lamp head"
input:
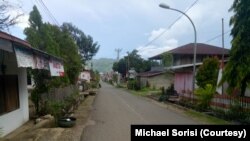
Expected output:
(163, 5)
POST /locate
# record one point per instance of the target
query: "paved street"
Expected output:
(114, 110)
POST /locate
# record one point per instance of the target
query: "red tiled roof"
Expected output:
(202, 49)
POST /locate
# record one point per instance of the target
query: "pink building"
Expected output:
(183, 63)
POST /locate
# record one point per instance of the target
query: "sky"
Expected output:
(133, 24)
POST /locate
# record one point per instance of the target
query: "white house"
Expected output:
(85, 76)
(15, 56)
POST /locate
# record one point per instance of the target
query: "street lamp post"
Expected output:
(162, 5)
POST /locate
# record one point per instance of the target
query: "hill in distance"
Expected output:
(102, 64)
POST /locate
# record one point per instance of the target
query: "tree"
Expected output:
(5, 18)
(167, 59)
(86, 45)
(133, 60)
(208, 72)
(58, 42)
(120, 66)
(237, 70)
(33, 33)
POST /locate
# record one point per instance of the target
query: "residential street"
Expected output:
(114, 110)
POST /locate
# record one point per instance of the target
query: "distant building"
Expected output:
(182, 67)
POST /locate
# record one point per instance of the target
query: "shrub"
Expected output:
(166, 94)
(204, 96)
(208, 72)
(133, 85)
(163, 96)
(55, 109)
(236, 112)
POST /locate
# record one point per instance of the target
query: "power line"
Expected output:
(209, 40)
(150, 42)
(49, 12)
(45, 9)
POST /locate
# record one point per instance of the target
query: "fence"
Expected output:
(222, 101)
(59, 94)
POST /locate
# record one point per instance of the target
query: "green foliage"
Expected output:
(167, 59)
(208, 72)
(115, 77)
(86, 46)
(53, 40)
(70, 102)
(133, 60)
(133, 85)
(204, 96)
(120, 66)
(237, 70)
(55, 109)
(170, 91)
(237, 113)
(163, 96)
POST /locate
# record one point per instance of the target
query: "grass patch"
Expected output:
(145, 92)
(206, 118)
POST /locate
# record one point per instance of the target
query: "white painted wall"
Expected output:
(12, 120)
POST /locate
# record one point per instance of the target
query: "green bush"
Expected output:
(208, 72)
(204, 96)
(237, 113)
(166, 94)
(133, 85)
(55, 108)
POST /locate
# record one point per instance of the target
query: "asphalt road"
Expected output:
(114, 110)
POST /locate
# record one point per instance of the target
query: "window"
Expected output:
(9, 97)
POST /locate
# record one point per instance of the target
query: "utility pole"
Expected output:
(118, 50)
(128, 65)
(222, 88)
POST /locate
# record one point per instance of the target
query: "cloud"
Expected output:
(164, 43)
(22, 20)
(206, 16)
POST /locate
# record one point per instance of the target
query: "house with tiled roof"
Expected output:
(181, 71)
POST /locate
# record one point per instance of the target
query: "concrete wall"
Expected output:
(158, 81)
(12, 120)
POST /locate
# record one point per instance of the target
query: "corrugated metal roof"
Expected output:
(24, 44)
